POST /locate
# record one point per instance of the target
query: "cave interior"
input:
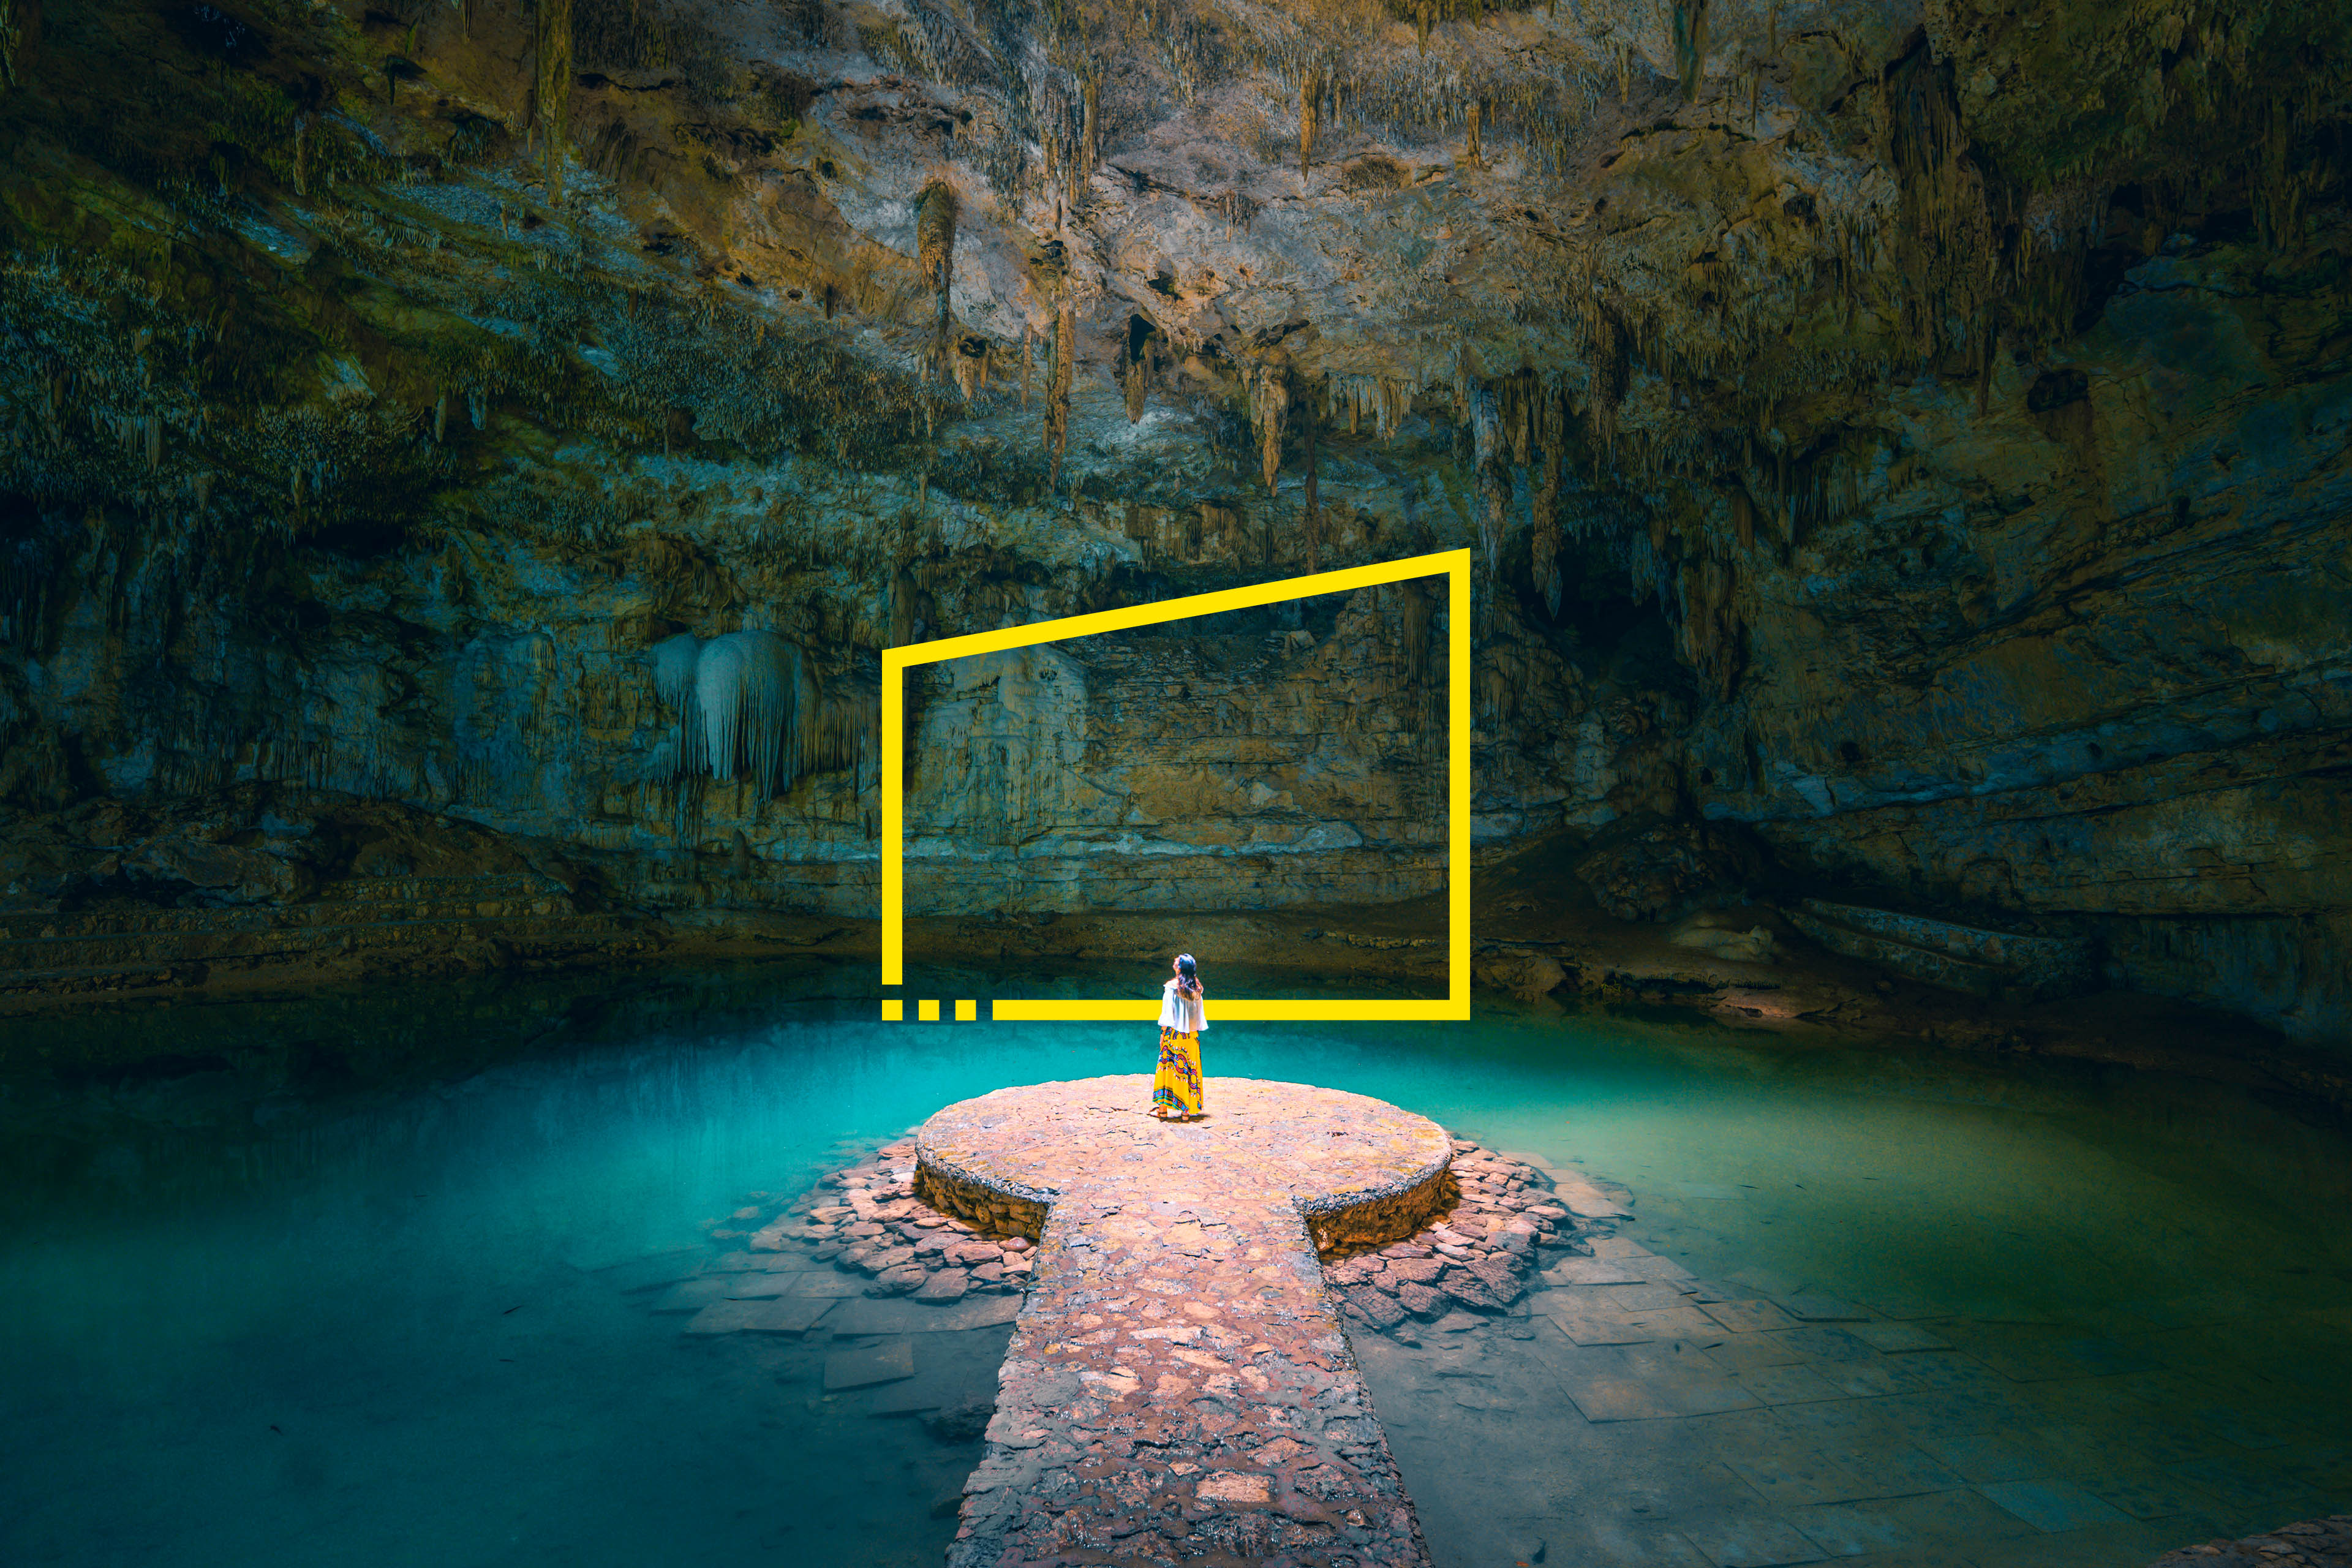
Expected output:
(466, 461)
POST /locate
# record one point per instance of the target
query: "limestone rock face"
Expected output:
(1186, 770)
(1643, 869)
(1911, 435)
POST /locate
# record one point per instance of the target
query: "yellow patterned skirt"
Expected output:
(1177, 1087)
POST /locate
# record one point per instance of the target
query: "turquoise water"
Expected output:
(349, 1280)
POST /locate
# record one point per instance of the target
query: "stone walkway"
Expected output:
(1623, 1410)
(1178, 1385)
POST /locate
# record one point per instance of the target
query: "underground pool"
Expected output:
(384, 1276)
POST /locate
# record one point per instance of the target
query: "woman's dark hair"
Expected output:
(1187, 974)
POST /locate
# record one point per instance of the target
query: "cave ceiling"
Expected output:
(1170, 250)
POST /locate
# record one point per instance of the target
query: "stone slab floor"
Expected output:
(1716, 1424)
(1631, 1412)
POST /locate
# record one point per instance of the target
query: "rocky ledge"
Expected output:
(2314, 1544)
(1477, 1256)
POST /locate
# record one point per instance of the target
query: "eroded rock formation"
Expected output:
(1904, 438)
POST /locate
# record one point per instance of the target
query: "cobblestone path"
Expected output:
(1177, 1388)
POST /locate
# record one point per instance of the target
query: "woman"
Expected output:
(1176, 1091)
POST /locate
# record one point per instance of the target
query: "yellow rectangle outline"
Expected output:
(1453, 565)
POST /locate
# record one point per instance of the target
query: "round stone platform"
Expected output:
(1178, 1369)
(1360, 1171)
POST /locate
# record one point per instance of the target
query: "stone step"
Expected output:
(1948, 955)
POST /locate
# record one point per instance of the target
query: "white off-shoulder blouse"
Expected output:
(1184, 1015)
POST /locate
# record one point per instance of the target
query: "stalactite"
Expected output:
(1057, 400)
(1027, 333)
(935, 235)
(1486, 426)
(1710, 629)
(1416, 612)
(726, 677)
(1610, 374)
(1386, 399)
(1269, 403)
(1311, 110)
(674, 662)
(1314, 511)
(1946, 251)
(1497, 491)
(969, 364)
(2280, 180)
(1552, 433)
(1089, 133)
(746, 701)
(553, 93)
(1477, 113)
(1518, 397)
(1690, 45)
(1134, 364)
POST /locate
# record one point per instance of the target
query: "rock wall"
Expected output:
(1289, 756)
(2089, 663)
(1906, 438)
(1205, 768)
